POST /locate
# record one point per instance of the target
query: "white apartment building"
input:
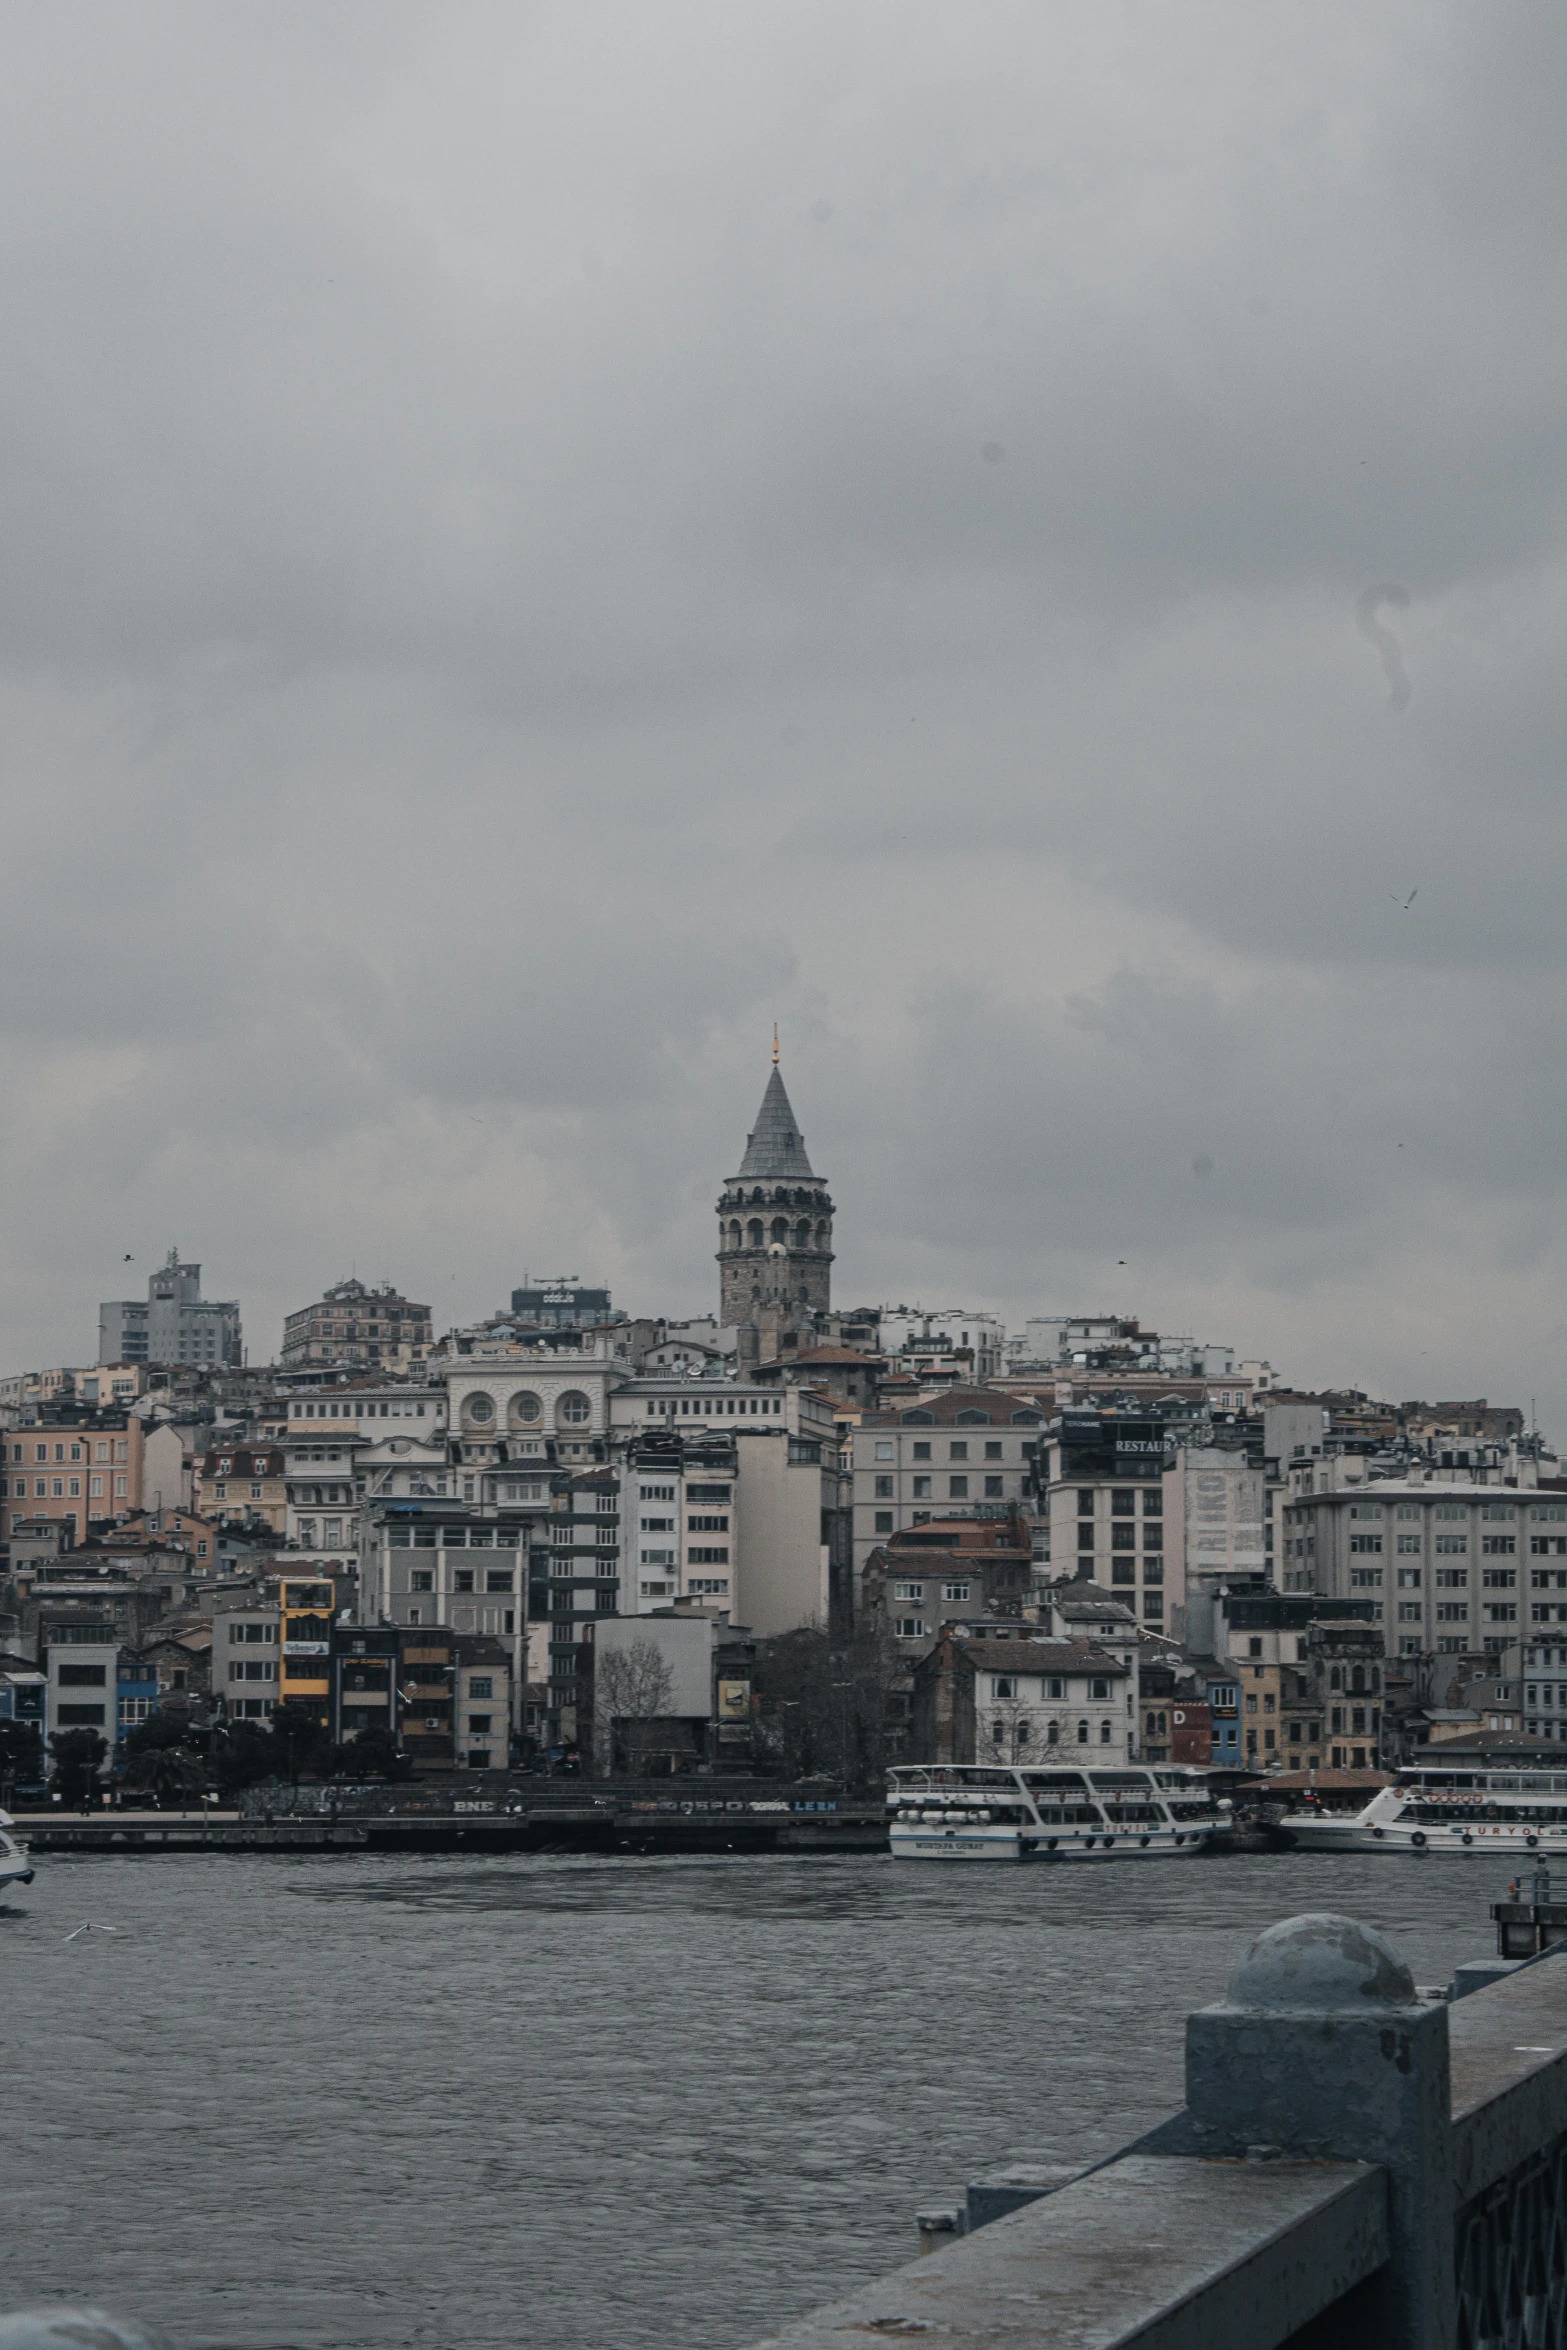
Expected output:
(322, 1503)
(951, 1340)
(1041, 1702)
(421, 1410)
(771, 1565)
(245, 1661)
(1456, 1568)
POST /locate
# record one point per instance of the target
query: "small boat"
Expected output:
(15, 1867)
(983, 1811)
(1431, 1809)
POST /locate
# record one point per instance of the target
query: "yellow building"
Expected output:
(305, 1611)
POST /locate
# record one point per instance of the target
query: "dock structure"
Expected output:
(516, 1818)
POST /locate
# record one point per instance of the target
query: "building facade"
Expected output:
(1453, 1568)
(175, 1325)
(355, 1324)
(966, 1453)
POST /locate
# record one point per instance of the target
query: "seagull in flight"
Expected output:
(1405, 903)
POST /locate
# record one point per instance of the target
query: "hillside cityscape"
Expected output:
(787, 1538)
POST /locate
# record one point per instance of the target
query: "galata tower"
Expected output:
(774, 1225)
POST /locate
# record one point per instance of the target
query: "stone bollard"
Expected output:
(1320, 2051)
(68, 2328)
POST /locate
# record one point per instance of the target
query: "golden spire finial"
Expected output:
(775, 1044)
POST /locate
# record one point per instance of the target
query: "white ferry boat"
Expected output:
(1431, 1809)
(983, 1811)
(15, 1867)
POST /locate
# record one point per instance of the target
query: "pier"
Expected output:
(520, 1817)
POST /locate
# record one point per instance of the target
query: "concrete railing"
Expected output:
(1358, 2166)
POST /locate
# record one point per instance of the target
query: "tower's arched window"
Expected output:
(780, 1198)
(821, 1234)
(757, 1196)
(753, 1232)
(802, 1234)
(734, 1233)
(780, 1228)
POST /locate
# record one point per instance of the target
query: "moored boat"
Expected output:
(985, 1811)
(15, 1866)
(1435, 1808)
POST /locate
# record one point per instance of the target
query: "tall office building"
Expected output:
(176, 1325)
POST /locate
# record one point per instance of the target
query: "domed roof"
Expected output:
(1322, 1961)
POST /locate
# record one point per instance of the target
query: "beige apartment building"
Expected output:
(80, 1473)
(352, 1323)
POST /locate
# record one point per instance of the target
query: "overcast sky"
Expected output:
(1009, 538)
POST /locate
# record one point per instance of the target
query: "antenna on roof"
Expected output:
(775, 1044)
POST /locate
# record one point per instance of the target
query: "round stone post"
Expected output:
(1322, 2051)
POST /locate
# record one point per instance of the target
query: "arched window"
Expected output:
(753, 1232)
(573, 1410)
(1357, 1682)
(780, 1197)
(1335, 1679)
(480, 1409)
(1053, 1734)
(526, 1409)
(780, 1228)
(1082, 1733)
(1022, 1733)
(821, 1234)
(802, 1234)
(1104, 1733)
(998, 1731)
(757, 1196)
(734, 1232)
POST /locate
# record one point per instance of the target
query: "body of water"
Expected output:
(590, 2104)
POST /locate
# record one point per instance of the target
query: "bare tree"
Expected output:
(632, 1689)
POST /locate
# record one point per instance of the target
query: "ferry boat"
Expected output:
(984, 1811)
(15, 1867)
(1431, 1809)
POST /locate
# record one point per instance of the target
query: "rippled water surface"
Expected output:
(586, 2104)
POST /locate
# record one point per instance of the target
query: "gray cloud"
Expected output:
(540, 540)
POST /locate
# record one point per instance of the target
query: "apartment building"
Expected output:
(84, 1472)
(175, 1325)
(966, 1453)
(247, 1657)
(1100, 1491)
(243, 1484)
(1452, 1568)
(351, 1323)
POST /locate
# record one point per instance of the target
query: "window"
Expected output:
(1452, 1611)
(1498, 1578)
(1408, 1509)
(1409, 1578)
(710, 1555)
(1495, 1546)
(922, 1452)
(421, 1580)
(957, 1450)
(1085, 1534)
(957, 1489)
(1123, 1501)
(1409, 1611)
(83, 1676)
(1004, 1686)
(909, 1627)
(478, 1724)
(575, 1410)
(496, 1581)
(1365, 1509)
(922, 1489)
(1452, 1578)
(883, 1523)
(1085, 1503)
(1123, 1537)
(1504, 1511)
(1365, 1578)
(883, 1449)
(914, 1591)
(993, 1452)
(82, 1717)
(884, 1489)
(995, 1488)
(1082, 1733)
(1409, 1545)
(957, 1591)
(1366, 1542)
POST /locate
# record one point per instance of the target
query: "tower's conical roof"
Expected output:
(776, 1147)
